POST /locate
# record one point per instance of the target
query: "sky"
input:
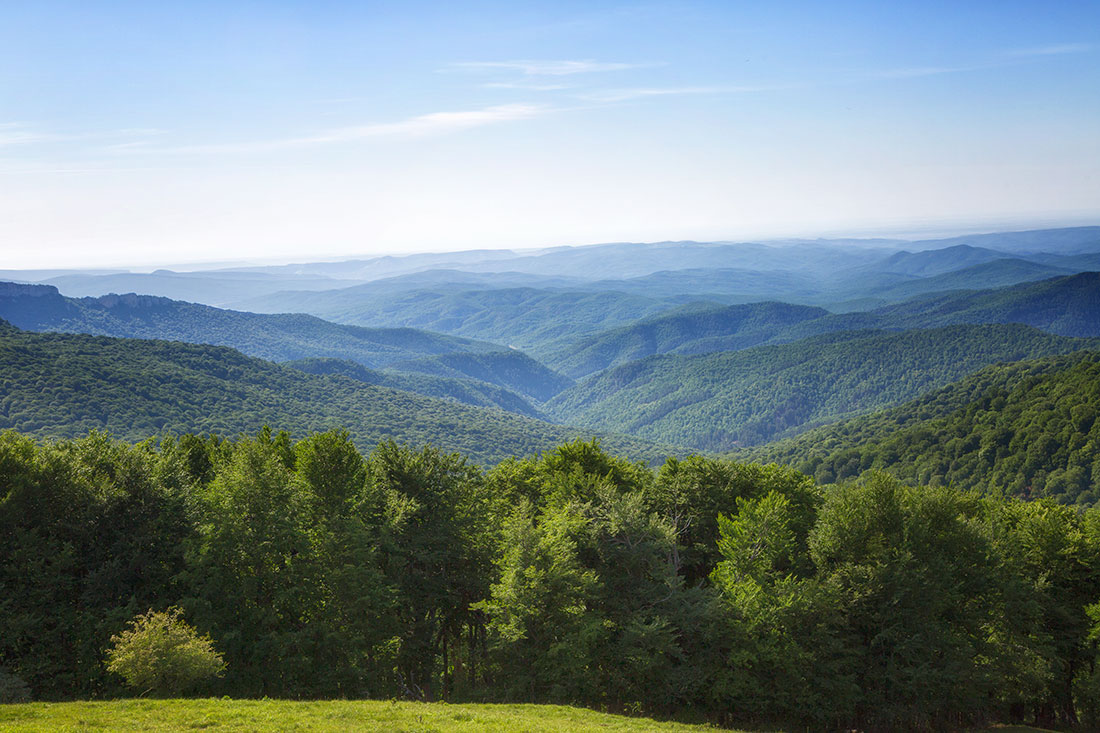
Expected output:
(135, 133)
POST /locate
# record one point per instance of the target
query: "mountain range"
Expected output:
(713, 346)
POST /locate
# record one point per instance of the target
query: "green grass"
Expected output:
(287, 715)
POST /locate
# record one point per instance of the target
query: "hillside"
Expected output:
(1028, 428)
(722, 400)
(511, 369)
(275, 337)
(467, 391)
(67, 384)
(1068, 306)
(693, 329)
(519, 317)
(730, 284)
(987, 275)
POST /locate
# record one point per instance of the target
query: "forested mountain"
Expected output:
(931, 262)
(728, 285)
(996, 274)
(510, 369)
(466, 390)
(66, 384)
(693, 329)
(276, 337)
(816, 272)
(1028, 428)
(519, 317)
(1069, 306)
(721, 400)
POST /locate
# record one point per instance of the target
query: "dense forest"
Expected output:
(727, 399)
(735, 592)
(63, 385)
(1027, 428)
(468, 391)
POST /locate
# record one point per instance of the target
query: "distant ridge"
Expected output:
(276, 337)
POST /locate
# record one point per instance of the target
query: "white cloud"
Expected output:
(525, 87)
(16, 133)
(622, 95)
(434, 123)
(545, 68)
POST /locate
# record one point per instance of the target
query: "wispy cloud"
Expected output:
(622, 95)
(434, 123)
(17, 133)
(1053, 50)
(526, 86)
(545, 68)
(1009, 58)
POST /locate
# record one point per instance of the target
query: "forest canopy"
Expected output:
(742, 592)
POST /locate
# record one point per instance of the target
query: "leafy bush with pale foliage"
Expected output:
(162, 653)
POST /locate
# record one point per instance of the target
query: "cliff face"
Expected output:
(34, 307)
(22, 290)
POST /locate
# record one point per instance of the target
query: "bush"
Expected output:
(163, 654)
(13, 688)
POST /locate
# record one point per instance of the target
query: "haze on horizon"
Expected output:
(182, 132)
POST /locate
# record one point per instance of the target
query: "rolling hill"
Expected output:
(722, 400)
(467, 391)
(276, 337)
(1028, 428)
(693, 329)
(512, 370)
(518, 317)
(63, 385)
(1069, 306)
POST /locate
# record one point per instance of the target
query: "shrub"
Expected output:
(163, 654)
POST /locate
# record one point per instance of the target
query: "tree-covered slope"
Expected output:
(725, 399)
(1029, 428)
(988, 275)
(520, 317)
(692, 329)
(928, 263)
(468, 391)
(66, 384)
(276, 337)
(1069, 306)
(510, 369)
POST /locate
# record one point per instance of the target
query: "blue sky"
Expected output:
(170, 132)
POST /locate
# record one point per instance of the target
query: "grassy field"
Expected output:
(286, 715)
(333, 715)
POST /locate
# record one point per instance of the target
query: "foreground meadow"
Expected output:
(335, 715)
(288, 715)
